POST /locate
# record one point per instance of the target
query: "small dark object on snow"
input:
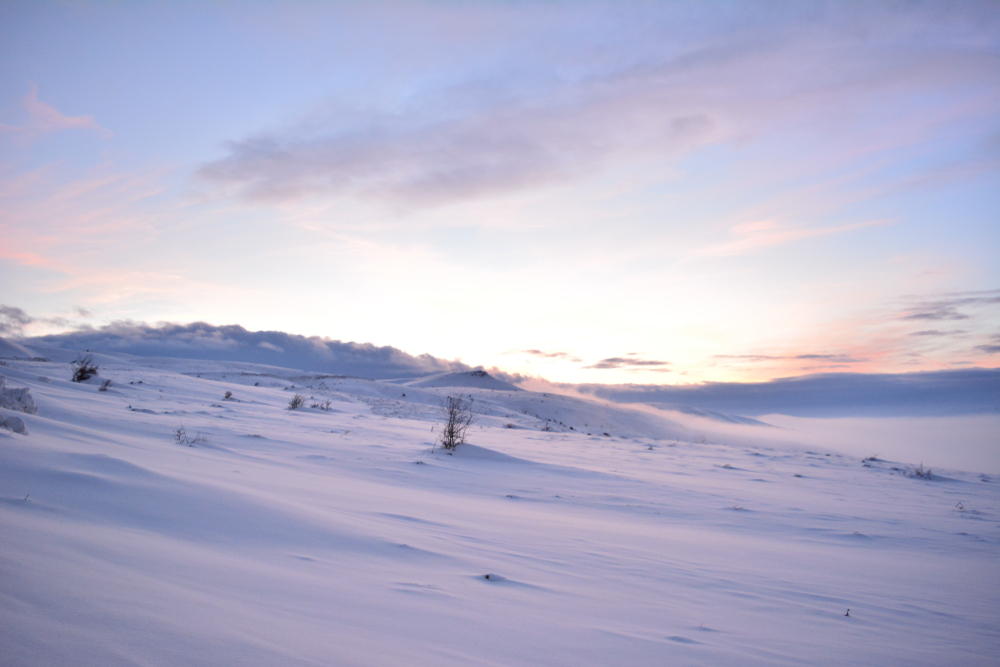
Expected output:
(848, 613)
(458, 415)
(84, 368)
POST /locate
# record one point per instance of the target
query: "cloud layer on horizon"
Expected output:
(199, 340)
(922, 394)
(935, 393)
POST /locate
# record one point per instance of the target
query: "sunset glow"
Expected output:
(639, 193)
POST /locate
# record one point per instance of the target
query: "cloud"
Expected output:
(933, 393)
(652, 83)
(45, 119)
(937, 313)
(549, 355)
(13, 320)
(992, 347)
(61, 225)
(946, 307)
(199, 340)
(756, 235)
(631, 363)
(838, 358)
(512, 378)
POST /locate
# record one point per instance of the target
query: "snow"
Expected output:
(9, 348)
(16, 399)
(342, 536)
(470, 379)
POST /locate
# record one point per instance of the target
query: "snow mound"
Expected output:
(15, 424)
(16, 399)
(477, 453)
(470, 379)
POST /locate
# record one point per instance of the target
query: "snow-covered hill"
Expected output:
(161, 522)
(478, 379)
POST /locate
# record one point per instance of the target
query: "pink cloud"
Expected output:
(47, 222)
(26, 258)
(761, 234)
(46, 119)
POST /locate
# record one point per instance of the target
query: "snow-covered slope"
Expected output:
(337, 534)
(13, 350)
(470, 379)
(199, 340)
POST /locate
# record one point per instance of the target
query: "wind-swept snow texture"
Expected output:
(566, 533)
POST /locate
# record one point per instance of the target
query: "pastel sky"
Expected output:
(589, 192)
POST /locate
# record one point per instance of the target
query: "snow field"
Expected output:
(321, 537)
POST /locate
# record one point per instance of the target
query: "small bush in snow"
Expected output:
(84, 368)
(919, 472)
(181, 438)
(325, 405)
(104, 385)
(458, 416)
(298, 400)
(228, 396)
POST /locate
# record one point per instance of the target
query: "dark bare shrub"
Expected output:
(458, 417)
(84, 368)
(181, 437)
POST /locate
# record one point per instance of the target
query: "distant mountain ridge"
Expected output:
(929, 393)
(199, 340)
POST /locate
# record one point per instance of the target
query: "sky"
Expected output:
(653, 193)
